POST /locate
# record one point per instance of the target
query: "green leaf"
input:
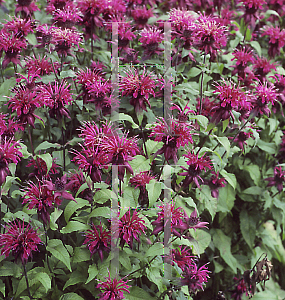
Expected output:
(225, 143)
(83, 187)
(101, 212)
(44, 280)
(270, 148)
(153, 274)
(75, 277)
(47, 145)
(226, 200)
(202, 120)
(74, 226)
(10, 269)
(80, 254)
(247, 227)
(2, 287)
(137, 293)
(256, 46)
(152, 147)
(204, 196)
(92, 271)
(56, 248)
(154, 250)
(140, 164)
(253, 190)
(230, 178)
(194, 72)
(203, 238)
(24, 151)
(8, 183)
(71, 296)
(32, 39)
(223, 243)
(103, 195)
(5, 88)
(265, 295)
(154, 190)
(53, 218)
(225, 124)
(254, 172)
(125, 260)
(123, 117)
(72, 206)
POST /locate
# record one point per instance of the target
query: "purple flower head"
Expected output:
(20, 240)
(242, 57)
(173, 135)
(210, 36)
(40, 169)
(262, 67)
(9, 153)
(98, 240)
(251, 8)
(277, 180)
(215, 183)
(8, 127)
(196, 166)
(138, 87)
(141, 16)
(276, 39)
(67, 17)
(53, 5)
(140, 181)
(183, 114)
(193, 221)
(112, 289)
(19, 27)
(182, 256)
(240, 289)
(241, 138)
(39, 197)
(150, 38)
(194, 278)
(130, 227)
(40, 65)
(26, 8)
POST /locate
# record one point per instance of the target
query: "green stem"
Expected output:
(144, 143)
(201, 86)
(27, 281)
(30, 138)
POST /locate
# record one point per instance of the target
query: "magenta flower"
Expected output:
(67, 17)
(42, 65)
(182, 256)
(12, 47)
(241, 138)
(119, 150)
(183, 114)
(98, 240)
(196, 166)
(276, 39)
(140, 181)
(215, 183)
(39, 197)
(169, 213)
(40, 168)
(263, 96)
(112, 289)
(64, 40)
(195, 278)
(53, 5)
(242, 57)
(193, 221)
(251, 8)
(20, 240)
(262, 67)
(150, 39)
(173, 135)
(9, 153)
(278, 179)
(240, 289)
(55, 97)
(141, 16)
(26, 8)
(210, 36)
(59, 188)
(138, 87)
(130, 227)
(25, 103)
(19, 27)
(9, 127)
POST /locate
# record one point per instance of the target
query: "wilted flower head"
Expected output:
(138, 87)
(112, 289)
(196, 166)
(174, 135)
(194, 278)
(210, 36)
(20, 240)
(98, 240)
(278, 179)
(130, 227)
(9, 153)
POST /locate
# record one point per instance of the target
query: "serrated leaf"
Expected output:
(154, 190)
(270, 148)
(56, 248)
(223, 243)
(83, 187)
(75, 277)
(226, 199)
(125, 260)
(80, 254)
(204, 195)
(203, 238)
(92, 271)
(140, 164)
(230, 178)
(53, 218)
(156, 249)
(247, 227)
(72, 206)
(74, 226)
(202, 120)
(224, 141)
(44, 280)
(194, 72)
(46, 157)
(47, 145)
(254, 173)
(253, 190)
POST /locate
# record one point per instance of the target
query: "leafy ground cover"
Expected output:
(142, 149)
